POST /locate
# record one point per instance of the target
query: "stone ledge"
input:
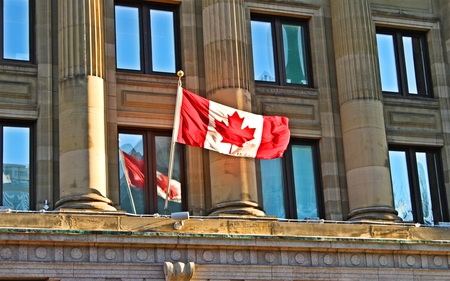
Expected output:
(118, 223)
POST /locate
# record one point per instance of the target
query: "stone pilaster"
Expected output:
(82, 106)
(233, 179)
(361, 108)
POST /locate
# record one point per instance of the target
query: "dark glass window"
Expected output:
(143, 171)
(147, 37)
(404, 64)
(291, 185)
(280, 50)
(17, 165)
(417, 185)
(16, 25)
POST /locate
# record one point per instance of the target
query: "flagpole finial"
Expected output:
(180, 74)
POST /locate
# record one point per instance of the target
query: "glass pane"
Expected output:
(262, 46)
(131, 173)
(424, 184)
(294, 54)
(128, 51)
(305, 181)
(162, 41)
(16, 168)
(273, 187)
(409, 62)
(386, 57)
(162, 146)
(16, 33)
(400, 185)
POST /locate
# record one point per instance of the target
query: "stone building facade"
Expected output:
(361, 193)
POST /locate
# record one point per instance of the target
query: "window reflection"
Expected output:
(16, 30)
(144, 175)
(409, 61)
(273, 187)
(128, 49)
(424, 187)
(404, 62)
(162, 152)
(16, 167)
(416, 181)
(146, 37)
(289, 184)
(262, 45)
(305, 182)
(163, 41)
(386, 57)
(294, 54)
(132, 178)
(400, 185)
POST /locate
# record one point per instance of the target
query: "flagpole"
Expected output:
(176, 125)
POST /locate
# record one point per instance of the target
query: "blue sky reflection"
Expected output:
(16, 30)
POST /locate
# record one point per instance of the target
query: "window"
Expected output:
(404, 65)
(147, 37)
(280, 51)
(143, 171)
(17, 165)
(16, 30)
(417, 185)
(291, 185)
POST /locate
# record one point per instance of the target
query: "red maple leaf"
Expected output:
(233, 134)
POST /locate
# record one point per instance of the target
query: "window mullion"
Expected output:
(145, 35)
(419, 66)
(290, 184)
(150, 163)
(277, 35)
(400, 63)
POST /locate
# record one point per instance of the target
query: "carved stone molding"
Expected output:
(178, 271)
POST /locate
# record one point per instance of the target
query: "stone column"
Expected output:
(361, 108)
(82, 106)
(233, 179)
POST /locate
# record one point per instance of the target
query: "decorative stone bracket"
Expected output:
(178, 271)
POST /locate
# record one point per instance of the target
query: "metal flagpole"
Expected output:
(176, 125)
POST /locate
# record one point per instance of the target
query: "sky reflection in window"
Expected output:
(16, 30)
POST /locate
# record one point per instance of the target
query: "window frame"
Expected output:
(437, 187)
(32, 160)
(145, 35)
(401, 65)
(31, 36)
(148, 139)
(277, 39)
(290, 204)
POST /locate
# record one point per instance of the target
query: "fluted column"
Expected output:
(361, 108)
(233, 179)
(82, 106)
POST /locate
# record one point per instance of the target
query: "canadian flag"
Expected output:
(207, 124)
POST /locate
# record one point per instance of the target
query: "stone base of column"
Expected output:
(240, 208)
(375, 213)
(90, 201)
